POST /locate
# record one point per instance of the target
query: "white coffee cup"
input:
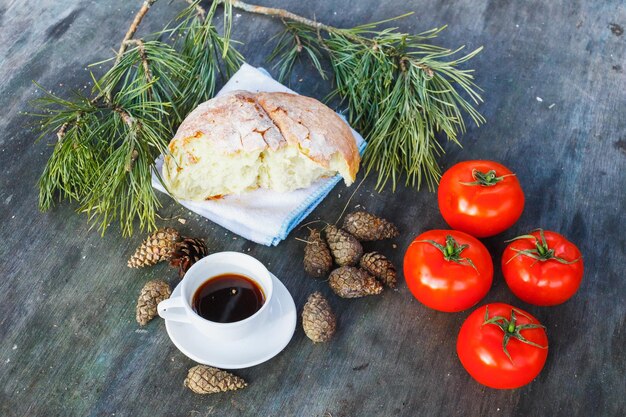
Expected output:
(180, 308)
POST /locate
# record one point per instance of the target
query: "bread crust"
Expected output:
(233, 122)
(309, 124)
(242, 121)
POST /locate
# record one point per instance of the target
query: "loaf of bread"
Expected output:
(242, 141)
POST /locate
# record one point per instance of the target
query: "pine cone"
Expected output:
(345, 248)
(188, 252)
(317, 257)
(203, 379)
(351, 282)
(365, 226)
(157, 247)
(150, 296)
(318, 321)
(379, 266)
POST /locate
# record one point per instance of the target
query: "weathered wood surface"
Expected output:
(554, 75)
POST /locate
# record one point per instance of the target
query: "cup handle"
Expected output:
(173, 309)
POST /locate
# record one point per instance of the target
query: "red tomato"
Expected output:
(448, 270)
(542, 268)
(482, 198)
(480, 346)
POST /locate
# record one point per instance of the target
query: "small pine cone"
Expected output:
(365, 226)
(379, 266)
(345, 248)
(351, 282)
(318, 321)
(157, 247)
(203, 379)
(186, 253)
(317, 257)
(151, 295)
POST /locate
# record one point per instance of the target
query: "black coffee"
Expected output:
(228, 298)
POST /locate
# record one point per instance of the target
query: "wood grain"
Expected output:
(554, 80)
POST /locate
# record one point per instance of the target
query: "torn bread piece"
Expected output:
(242, 141)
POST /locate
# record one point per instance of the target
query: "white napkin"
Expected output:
(262, 215)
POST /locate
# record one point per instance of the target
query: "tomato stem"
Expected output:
(452, 251)
(449, 250)
(511, 329)
(486, 179)
(542, 251)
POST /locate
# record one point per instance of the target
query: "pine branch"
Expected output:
(275, 12)
(401, 91)
(123, 45)
(107, 144)
(133, 28)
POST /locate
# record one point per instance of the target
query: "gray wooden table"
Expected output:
(554, 75)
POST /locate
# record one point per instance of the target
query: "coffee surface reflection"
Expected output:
(228, 298)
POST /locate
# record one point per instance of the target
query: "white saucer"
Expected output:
(255, 348)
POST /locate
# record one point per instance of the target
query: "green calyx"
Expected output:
(486, 179)
(512, 330)
(542, 252)
(452, 251)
